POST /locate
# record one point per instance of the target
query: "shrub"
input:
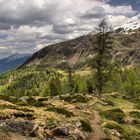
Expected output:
(31, 101)
(25, 109)
(128, 132)
(131, 133)
(23, 115)
(86, 126)
(115, 126)
(137, 105)
(114, 114)
(134, 114)
(55, 86)
(136, 122)
(75, 98)
(60, 111)
(24, 101)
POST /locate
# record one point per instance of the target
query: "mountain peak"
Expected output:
(129, 27)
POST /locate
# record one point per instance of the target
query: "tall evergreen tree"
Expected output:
(70, 78)
(101, 62)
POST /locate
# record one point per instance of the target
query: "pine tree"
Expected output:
(70, 78)
(101, 62)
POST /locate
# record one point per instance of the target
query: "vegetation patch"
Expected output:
(114, 125)
(4, 134)
(31, 101)
(60, 111)
(131, 133)
(4, 116)
(25, 109)
(128, 132)
(75, 98)
(134, 114)
(136, 122)
(86, 126)
(109, 102)
(137, 105)
(7, 106)
(8, 98)
(114, 114)
(23, 115)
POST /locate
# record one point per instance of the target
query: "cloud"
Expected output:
(27, 24)
(40, 46)
(94, 13)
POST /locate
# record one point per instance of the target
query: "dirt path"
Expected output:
(98, 133)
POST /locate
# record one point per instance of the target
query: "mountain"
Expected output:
(13, 61)
(130, 26)
(126, 50)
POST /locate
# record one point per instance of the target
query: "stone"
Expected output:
(115, 133)
(60, 131)
(79, 134)
(78, 124)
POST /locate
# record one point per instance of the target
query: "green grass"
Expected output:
(134, 114)
(128, 132)
(60, 111)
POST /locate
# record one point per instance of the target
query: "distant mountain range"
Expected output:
(13, 61)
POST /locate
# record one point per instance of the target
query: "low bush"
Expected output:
(115, 126)
(127, 132)
(86, 126)
(29, 101)
(60, 111)
(114, 114)
(134, 114)
(75, 98)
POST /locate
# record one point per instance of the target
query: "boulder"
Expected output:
(60, 131)
(18, 126)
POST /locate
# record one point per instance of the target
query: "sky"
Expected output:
(29, 25)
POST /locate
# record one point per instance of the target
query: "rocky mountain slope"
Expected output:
(126, 49)
(13, 61)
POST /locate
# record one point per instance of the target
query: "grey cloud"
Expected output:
(66, 19)
(94, 13)
(4, 26)
(26, 14)
(54, 37)
(63, 29)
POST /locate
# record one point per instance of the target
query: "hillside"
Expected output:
(126, 50)
(13, 61)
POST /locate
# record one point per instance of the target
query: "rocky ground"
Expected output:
(69, 117)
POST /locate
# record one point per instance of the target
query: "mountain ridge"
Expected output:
(126, 50)
(12, 61)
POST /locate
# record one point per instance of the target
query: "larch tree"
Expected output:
(101, 62)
